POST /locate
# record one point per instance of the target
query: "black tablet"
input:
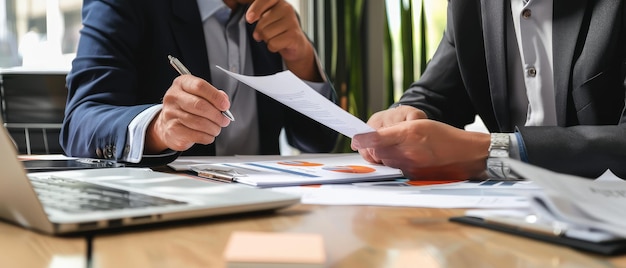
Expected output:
(40, 165)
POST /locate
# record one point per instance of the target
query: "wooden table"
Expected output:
(355, 236)
(24, 248)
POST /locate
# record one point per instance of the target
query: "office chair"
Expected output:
(32, 105)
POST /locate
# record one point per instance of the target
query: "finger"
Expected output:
(191, 108)
(257, 8)
(284, 43)
(383, 137)
(391, 163)
(395, 116)
(175, 135)
(367, 156)
(354, 145)
(201, 97)
(183, 139)
(374, 155)
(267, 30)
(176, 115)
(375, 121)
(280, 18)
(199, 123)
(414, 113)
(385, 118)
(397, 155)
(203, 89)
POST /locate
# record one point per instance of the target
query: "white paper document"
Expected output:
(576, 202)
(298, 171)
(184, 163)
(289, 90)
(351, 195)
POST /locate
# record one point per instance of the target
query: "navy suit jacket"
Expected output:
(468, 76)
(121, 68)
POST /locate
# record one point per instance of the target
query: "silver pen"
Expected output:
(181, 69)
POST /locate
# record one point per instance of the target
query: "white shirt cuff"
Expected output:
(137, 133)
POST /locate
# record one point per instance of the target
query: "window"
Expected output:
(42, 33)
(39, 33)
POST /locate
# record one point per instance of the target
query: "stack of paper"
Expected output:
(305, 170)
(581, 213)
(578, 203)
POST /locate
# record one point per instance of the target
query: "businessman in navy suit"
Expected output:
(545, 76)
(128, 104)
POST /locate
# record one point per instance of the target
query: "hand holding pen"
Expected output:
(181, 69)
(192, 112)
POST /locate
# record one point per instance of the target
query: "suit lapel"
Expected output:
(494, 29)
(186, 29)
(568, 17)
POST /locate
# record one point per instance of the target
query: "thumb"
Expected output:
(381, 138)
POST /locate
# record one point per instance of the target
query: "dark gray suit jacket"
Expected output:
(468, 76)
(121, 68)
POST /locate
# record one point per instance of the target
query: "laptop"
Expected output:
(74, 201)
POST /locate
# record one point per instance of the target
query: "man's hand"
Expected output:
(278, 26)
(387, 118)
(426, 149)
(395, 115)
(191, 114)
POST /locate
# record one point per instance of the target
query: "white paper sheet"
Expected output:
(332, 195)
(302, 170)
(184, 163)
(599, 204)
(289, 90)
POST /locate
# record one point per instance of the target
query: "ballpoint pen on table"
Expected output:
(181, 69)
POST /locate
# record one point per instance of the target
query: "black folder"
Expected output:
(613, 247)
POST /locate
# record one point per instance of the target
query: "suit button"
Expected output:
(526, 13)
(99, 152)
(532, 72)
(109, 151)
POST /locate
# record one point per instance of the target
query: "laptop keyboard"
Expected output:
(74, 196)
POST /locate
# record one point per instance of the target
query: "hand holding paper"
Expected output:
(289, 90)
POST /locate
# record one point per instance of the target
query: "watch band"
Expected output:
(499, 149)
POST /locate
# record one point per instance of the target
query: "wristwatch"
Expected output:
(498, 150)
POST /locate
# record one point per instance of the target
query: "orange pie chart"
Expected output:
(350, 169)
(299, 163)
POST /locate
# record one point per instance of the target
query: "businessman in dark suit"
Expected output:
(127, 103)
(546, 78)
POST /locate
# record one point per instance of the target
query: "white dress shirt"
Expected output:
(530, 66)
(533, 75)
